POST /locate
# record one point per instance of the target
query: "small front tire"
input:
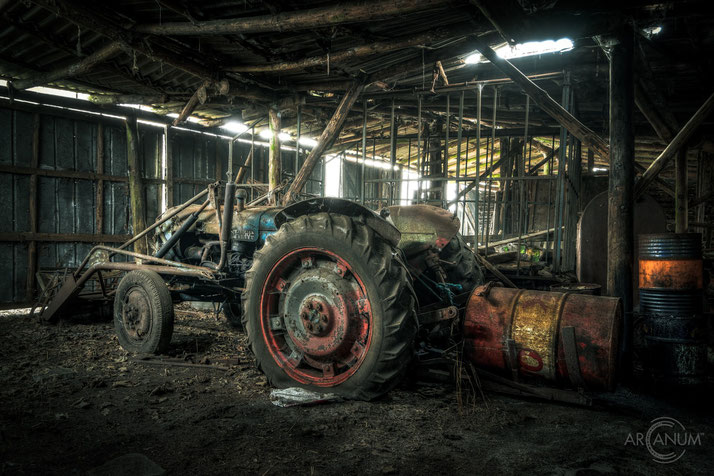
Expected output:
(143, 313)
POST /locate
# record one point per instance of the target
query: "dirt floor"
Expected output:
(71, 399)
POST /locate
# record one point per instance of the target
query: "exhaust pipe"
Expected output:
(171, 242)
(225, 236)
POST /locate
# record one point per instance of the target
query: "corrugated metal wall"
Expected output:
(74, 164)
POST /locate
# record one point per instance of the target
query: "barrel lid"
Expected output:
(670, 246)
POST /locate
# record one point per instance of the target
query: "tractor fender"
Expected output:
(423, 227)
(379, 225)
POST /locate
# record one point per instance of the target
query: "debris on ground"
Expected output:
(294, 396)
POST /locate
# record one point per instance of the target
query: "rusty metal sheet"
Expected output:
(423, 226)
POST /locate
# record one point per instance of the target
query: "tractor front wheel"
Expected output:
(329, 306)
(143, 313)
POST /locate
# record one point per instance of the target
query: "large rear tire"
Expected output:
(329, 306)
(143, 313)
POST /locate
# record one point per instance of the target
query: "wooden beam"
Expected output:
(77, 68)
(546, 103)
(77, 14)
(371, 49)
(136, 189)
(328, 136)
(680, 187)
(506, 16)
(322, 17)
(274, 151)
(129, 99)
(701, 199)
(677, 143)
(658, 181)
(198, 97)
(652, 114)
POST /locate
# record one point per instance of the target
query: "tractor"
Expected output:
(331, 294)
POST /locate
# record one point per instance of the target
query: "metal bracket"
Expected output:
(571, 356)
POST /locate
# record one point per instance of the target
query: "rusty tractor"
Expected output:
(330, 294)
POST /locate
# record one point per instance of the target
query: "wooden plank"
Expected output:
(169, 175)
(99, 220)
(26, 236)
(32, 245)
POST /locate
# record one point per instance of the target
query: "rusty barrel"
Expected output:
(577, 288)
(562, 337)
(671, 283)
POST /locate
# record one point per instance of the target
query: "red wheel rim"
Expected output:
(315, 317)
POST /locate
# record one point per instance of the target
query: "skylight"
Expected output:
(522, 50)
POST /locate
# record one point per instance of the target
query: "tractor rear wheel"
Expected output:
(329, 306)
(143, 313)
(460, 265)
(232, 312)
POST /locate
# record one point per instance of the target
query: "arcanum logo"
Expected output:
(666, 439)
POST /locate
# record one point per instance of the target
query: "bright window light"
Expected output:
(652, 30)
(284, 136)
(524, 49)
(473, 58)
(534, 48)
(235, 127)
(307, 141)
(333, 174)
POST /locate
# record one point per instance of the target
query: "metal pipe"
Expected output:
(143, 233)
(173, 239)
(225, 235)
(134, 266)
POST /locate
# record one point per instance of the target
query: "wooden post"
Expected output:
(546, 103)
(274, 152)
(328, 136)
(620, 239)
(136, 189)
(32, 245)
(678, 142)
(169, 168)
(680, 188)
(99, 219)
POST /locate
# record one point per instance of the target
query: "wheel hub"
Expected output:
(314, 323)
(136, 313)
(316, 316)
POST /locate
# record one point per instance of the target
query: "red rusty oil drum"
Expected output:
(528, 331)
(671, 273)
(671, 282)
